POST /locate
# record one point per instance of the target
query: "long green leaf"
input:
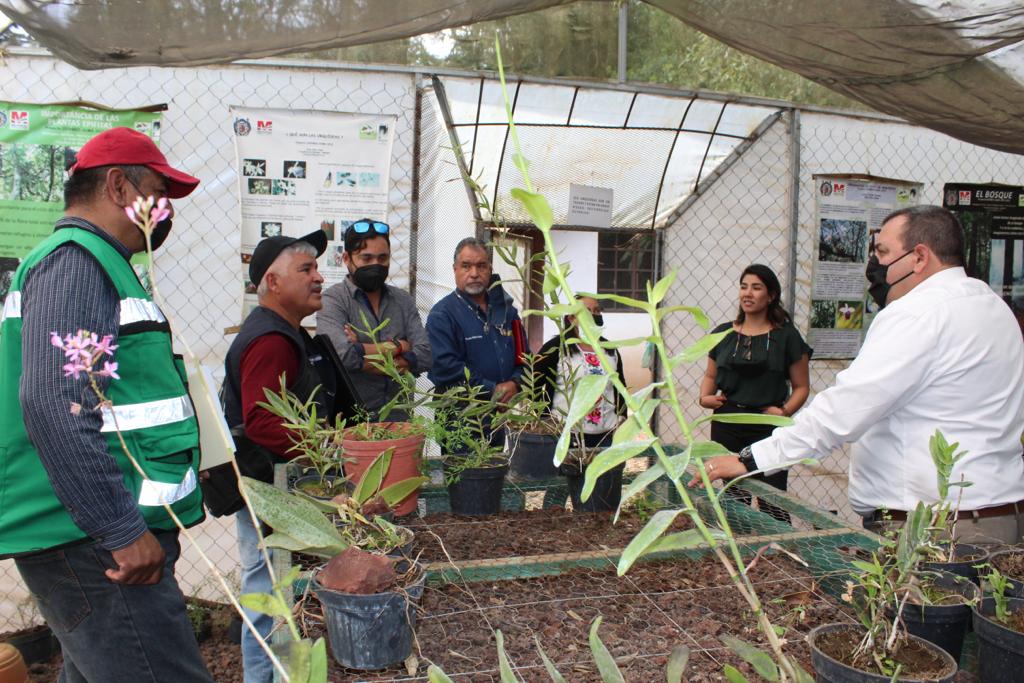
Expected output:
(677, 661)
(537, 206)
(681, 540)
(699, 316)
(639, 483)
(588, 391)
(436, 675)
(702, 347)
(660, 288)
(292, 516)
(507, 676)
(652, 531)
(761, 661)
(622, 343)
(399, 491)
(733, 675)
(285, 542)
(299, 655)
(373, 477)
(264, 603)
(548, 664)
(318, 662)
(624, 300)
(752, 419)
(801, 674)
(609, 459)
(606, 665)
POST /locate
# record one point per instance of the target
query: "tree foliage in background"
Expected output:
(580, 41)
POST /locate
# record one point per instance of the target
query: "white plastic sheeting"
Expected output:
(651, 150)
(952, 65)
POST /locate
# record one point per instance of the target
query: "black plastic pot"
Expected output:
(1000, 650)
(37, 644)
(370, 632)
(1015, 588)
(531, 456)
(965, 568)
(477, 491)
(606, 494)
(943, 625)
(829, 670)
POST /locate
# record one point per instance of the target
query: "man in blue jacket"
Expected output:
(476, 328)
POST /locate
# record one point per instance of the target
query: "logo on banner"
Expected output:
(264, 127)
(3, 119)
(826, 188)
(965, 197)
(368, 132)
(242, 126)
(19, 119)
(951, 198)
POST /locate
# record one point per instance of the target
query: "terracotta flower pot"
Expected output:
(12, 666)
(405, 460)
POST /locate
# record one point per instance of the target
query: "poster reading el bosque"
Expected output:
(303, 170)
(37, 143)
(849, 210)
(993, 220)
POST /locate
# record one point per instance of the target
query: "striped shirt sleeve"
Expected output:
(66, 292)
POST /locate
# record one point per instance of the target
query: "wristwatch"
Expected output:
(747, 459)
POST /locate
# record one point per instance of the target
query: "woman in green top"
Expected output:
(761, 368)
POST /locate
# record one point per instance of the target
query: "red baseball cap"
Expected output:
(132, 148)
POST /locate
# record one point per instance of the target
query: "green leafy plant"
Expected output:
(941, 543)
(998, 585)
(603, 660)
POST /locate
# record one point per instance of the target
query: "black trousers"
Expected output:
(736, 437)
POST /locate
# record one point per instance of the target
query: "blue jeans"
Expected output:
(256, 666)
(112, 632)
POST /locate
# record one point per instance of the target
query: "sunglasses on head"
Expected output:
(363, 227)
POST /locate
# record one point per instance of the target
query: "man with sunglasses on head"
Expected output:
(364, 302)
(944, 353)
(89, 534)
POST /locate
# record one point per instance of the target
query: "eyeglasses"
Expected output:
(363, 227)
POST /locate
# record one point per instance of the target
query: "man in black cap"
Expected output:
(270, 343)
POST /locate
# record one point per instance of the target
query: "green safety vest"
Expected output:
(150, 403)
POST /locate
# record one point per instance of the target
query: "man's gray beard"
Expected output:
(475, 290)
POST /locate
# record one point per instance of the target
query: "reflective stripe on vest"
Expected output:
(155, 493)
(143, 415)
(132, 310)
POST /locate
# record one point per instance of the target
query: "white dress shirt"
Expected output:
(947, 355)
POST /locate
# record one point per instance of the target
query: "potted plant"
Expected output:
(1010, 564)
(363, 443)
(880, 648)
(368, 597)
(474, 466)
(533, 427)
(314, 441)
(999, 626)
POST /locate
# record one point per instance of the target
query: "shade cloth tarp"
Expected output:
(956, 66)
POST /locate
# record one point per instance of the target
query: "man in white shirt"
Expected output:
(945, 353)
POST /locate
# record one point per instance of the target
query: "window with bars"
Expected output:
(625, 263)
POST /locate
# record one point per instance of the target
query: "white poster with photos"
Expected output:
(849, 210)
(303, 170)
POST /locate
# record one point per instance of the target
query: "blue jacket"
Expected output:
(460, 339)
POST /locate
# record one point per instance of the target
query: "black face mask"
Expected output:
(876, 274)
(370, 278)
(160, 232)
(598, 319)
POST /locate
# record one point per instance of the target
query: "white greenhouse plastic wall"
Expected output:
(747, 214)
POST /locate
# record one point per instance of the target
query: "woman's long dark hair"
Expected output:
(777, 315)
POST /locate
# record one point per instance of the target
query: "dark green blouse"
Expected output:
(754, 370)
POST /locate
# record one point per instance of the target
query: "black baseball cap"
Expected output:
(269, 249)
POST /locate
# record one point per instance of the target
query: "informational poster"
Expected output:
(590, 206)
(993, 220)
(849, 210)
(37, 143)
(303, 170)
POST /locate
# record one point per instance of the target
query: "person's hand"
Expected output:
(712, 401)
(774, 410)
(721, 467)
(402, 364)
(350, 334)
(141, 563)
(504, 391)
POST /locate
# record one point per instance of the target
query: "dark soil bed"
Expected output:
(1010, 564)
(515, 534)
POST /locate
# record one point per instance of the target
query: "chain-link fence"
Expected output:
(759, 207)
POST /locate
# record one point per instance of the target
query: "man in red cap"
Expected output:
(89, 534)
